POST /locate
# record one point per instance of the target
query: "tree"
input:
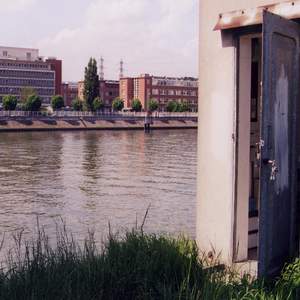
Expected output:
(33, 103)
(153, 105)
(180, 107)
(26, 92)
(118, 104)
(185, 106)
(98, 104)
(91, 83)
(136, 105)
(172, 106)
(77, 104)
(9, 102)
(57, 102)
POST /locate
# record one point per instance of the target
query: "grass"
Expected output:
(135, 266)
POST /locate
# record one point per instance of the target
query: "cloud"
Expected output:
(7, 6)
(157, 36)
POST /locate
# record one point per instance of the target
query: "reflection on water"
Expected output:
(94, 178)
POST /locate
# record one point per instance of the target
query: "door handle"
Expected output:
(274, 169)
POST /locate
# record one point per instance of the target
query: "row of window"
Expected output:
(26, 82)
(22, 65)
(174, 92)
(27, 74)
(180, 83)
(17, 91)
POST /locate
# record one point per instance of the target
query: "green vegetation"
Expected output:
(33, 103)
(26, 92)
(153, 105)
(9, 102)
(136, 105)
(98, 104)
(118, 104)
(77, 105)
(57, 102)
(91, 83)
(173, 106)
(136, 266)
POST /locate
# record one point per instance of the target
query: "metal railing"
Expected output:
(99, 114)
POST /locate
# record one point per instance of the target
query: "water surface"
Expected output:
(90, 179)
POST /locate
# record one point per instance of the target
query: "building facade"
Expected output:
(127, 90)
(161, 89)
(69, 91)
(108, 91)
(22, 68)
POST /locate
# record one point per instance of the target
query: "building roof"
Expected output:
(254, 16)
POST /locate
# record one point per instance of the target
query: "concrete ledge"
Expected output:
(51, 124)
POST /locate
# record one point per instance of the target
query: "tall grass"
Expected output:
(134, 266)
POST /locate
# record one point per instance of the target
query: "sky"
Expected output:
(158, 37)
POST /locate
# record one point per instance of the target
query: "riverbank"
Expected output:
(91, 123)
(136, 266)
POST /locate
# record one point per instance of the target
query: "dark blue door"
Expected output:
(277, 229)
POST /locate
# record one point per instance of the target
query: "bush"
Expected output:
(172, 106)
(33, 103)
(118, 104)
(185, 106)
(136, 105)
(153, 105)
(57, 102)
(9, 102)
(77, 105)
(98, 104)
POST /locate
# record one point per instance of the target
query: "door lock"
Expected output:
(274, 169)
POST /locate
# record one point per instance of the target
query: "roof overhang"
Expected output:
(254, 16)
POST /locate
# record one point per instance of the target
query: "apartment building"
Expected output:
(162, 89)
(23, 68)
(69, 91)
(127, 90)
(108, 91)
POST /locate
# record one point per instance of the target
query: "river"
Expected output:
(92, 179)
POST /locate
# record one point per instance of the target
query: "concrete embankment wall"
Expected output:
(46, 123)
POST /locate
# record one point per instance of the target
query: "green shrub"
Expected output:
(57, 102)
(98, 104)
(172, 106)
(33, 103)
(118, 104)
(77, 105)
(9, 102)
(153, 105)
(136, 105)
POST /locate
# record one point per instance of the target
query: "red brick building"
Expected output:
(126, 91)
(56, 66)
(162, 89)
(69, 91)
(108, 91)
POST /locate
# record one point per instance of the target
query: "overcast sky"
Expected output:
(152, 36)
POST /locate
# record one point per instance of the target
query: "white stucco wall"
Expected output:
(18, 53)
(216, 141)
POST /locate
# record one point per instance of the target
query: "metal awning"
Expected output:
(246, 17)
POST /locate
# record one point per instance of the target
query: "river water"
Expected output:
(92, 179)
